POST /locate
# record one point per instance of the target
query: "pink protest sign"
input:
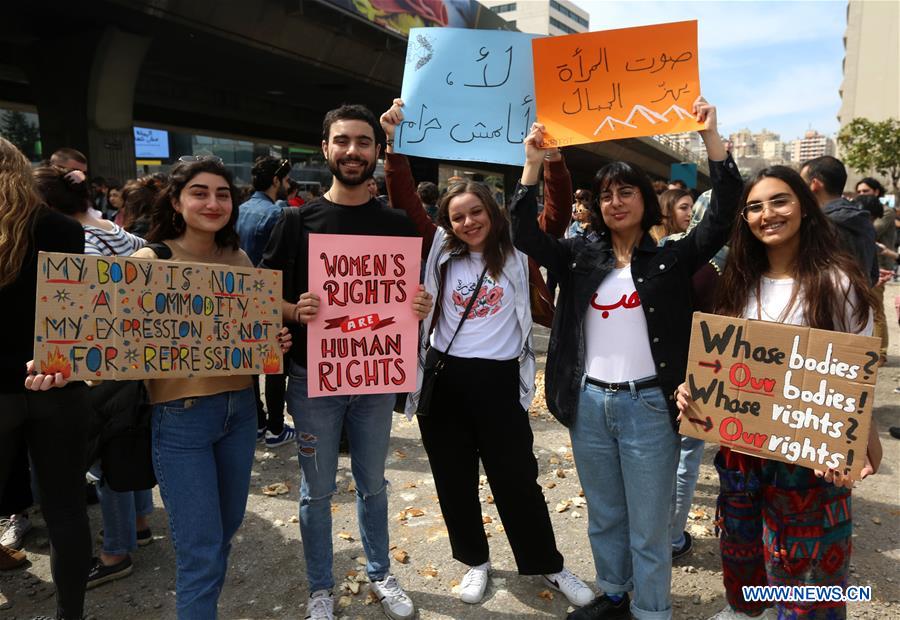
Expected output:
(365, 335)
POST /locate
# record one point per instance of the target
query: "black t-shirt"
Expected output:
(323, 217)
(52, 232)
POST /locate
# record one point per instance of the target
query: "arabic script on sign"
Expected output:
(617, 83)
(469, 95)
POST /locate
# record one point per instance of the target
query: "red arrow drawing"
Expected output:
(707, 425)
(716, 367)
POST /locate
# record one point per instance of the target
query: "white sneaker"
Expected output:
(473, 585)
(16, 527)
(394, 601)
(732, 614)
(574, 589)
(320, 606)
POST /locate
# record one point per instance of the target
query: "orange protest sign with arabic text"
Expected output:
(617, 84)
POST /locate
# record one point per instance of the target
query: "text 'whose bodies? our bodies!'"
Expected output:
(825, 410)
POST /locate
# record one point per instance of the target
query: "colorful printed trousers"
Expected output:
(780, 525)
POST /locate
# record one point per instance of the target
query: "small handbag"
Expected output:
(435, 360)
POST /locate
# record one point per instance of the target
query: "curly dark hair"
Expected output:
(166, 223)
(60, 193)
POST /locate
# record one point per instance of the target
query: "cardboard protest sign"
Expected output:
(793, 394)
(364, 339)
(468, 95)
(131, 318)
(616, 84)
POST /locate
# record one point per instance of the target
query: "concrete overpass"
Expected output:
(265, 70)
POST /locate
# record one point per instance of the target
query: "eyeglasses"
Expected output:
(625, 194)
(190, 159)
(782, 205)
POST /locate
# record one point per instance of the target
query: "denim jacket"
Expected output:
(662, 276)
(256, 219)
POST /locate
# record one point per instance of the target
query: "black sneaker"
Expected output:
(684, 549)
(604, 608)
(100, 574)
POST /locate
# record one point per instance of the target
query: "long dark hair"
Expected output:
(818, 267)
(498, 244)
(166, 223)
(59, 192)
(623, 173)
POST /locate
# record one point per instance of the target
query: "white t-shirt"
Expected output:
(617, 346)
(492, 330)
(775, 295)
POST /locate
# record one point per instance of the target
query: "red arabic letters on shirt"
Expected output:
(487, 303)
(627, 302)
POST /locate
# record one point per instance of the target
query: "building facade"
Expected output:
(552, 17)
(812, 144)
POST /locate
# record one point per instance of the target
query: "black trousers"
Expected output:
(272, 417)
(478, 416)
(16, 496)
(54, 427)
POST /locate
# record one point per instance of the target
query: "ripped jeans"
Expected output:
(319, 421)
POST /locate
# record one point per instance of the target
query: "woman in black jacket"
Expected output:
(617, 352)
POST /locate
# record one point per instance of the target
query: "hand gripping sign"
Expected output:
(364, 338)
(794, 394)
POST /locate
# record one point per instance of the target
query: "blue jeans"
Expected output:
(626, 452)
(202, 455)
(120, 509)
(691, 454)
(318, 421)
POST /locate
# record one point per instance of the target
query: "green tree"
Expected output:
(14, 126)
(868, 145)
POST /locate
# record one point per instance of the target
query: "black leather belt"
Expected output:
(626, 385)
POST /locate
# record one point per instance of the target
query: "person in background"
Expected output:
(676, 206)
(885, 234)
(428, 195)
(255, 222)
(203, 427)
(677, 184)
(826, 177)
(581, 216)
(294, 199)
(138, 197)
(52, 424)
(783, 524)
(113, 199)
(659, 187)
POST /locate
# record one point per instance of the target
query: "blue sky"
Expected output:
(773, 65)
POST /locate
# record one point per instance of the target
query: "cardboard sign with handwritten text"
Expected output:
(131, 318)
(364, 338)
(615, 84)
(793, 394)
(468, 95)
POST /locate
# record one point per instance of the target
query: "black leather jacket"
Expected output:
(662, 276)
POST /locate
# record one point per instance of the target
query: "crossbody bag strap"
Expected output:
(468, 308)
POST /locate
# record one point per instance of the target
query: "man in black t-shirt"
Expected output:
(351, 143)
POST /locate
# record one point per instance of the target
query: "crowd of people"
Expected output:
(783, 246)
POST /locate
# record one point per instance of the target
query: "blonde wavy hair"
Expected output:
(18, 203)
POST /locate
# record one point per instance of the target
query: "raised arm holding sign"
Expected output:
(617, 84)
